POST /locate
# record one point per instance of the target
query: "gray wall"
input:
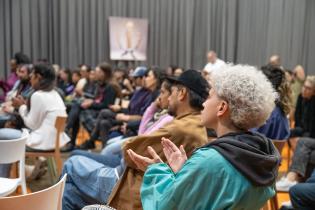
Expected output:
(70, 32)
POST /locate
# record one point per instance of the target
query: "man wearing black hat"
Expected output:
(189, 91)
(185, 103)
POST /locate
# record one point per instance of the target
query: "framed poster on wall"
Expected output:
(128, 38)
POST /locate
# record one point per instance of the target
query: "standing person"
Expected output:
(235, 171)
(214, 63)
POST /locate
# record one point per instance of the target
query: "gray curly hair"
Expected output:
(248, 92)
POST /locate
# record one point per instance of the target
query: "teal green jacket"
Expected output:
(207, 181)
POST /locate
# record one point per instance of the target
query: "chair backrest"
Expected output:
(47, 199)
(13, 150)
(60, 124)
(279, 144)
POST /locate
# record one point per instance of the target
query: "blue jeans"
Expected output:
(91, 177)
(7, 134)
(111, 160)
(114, 146)
(303, 195)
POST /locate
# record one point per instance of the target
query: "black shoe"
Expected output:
(87, 145)
(67, 148)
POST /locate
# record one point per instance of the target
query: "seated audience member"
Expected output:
(178, 71)
(40, 112)
(300, 166)
(155, 117)
(141, 99)
(185, 103)
(84, 77)
(65, 81)
(75, 77)
(22, 88)
(18, 60)
(302, 195)
(304, 113)
(277, 126)
(7, 85)
(235, 171)
(126, 87)
(86, 111)
(170, 70)
(298, 78)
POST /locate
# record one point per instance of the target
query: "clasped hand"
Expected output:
(176, 157)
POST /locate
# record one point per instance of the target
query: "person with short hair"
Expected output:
(214, 63)
(235, 171)
(185, 102)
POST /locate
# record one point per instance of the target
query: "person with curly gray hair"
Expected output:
(235, 171)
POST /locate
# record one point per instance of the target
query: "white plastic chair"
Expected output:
(12, 151)
(47, 199)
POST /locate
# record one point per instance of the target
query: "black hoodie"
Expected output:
(252, 154)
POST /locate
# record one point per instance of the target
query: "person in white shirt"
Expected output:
(214, 63)
(40, 112)
(39, 115)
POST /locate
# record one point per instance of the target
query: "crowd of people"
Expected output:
(185, 139)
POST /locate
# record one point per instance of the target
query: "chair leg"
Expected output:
(58, 164)
(274, 202)
(289, 155)
(52, 169)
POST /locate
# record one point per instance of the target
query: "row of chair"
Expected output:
(12, 151)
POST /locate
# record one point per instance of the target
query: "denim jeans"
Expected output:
(88, 182)
(302, 155)
(303, 195)
(7, 134)
(111, 160)
(114, 146)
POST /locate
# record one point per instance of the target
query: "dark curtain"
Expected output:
(71, 32)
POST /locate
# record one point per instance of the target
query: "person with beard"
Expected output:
(89, 183)
(21, 89)
(235, 171)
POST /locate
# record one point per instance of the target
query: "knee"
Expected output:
(105, 113)
(296, 192)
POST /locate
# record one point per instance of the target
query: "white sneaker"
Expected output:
(284, 184)
(287, 204)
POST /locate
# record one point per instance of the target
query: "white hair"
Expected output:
(248, 92)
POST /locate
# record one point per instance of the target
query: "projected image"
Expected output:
(128, 38)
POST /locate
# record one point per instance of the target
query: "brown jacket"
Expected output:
(184, 130)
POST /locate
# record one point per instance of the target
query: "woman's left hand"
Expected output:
(18, 101)
(143, 162)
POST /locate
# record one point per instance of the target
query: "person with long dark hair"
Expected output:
(39, 114)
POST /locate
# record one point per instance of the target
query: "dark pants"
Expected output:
(74, 121)
(106, 119)
(302, 156)
(303, 195)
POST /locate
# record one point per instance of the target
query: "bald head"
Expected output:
(212, 56)
(275, 60)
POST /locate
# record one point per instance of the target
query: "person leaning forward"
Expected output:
(189, 91)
